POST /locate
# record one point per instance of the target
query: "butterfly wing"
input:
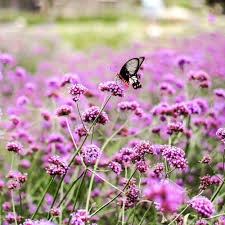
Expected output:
(128, 72)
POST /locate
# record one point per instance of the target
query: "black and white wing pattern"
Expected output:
(128, 72)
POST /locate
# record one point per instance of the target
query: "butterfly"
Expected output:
(128, 72)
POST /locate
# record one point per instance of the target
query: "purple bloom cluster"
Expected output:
(123, 106)
(76, 90)
(167, 195)
(175, 156)
(63, 110)
(112, 87)
(94, 112)
(57, 166)
(90, 153)
(80, 217)
(220, 92)
(175, 127)
(220, 133)
(38, 222)
(14, 146)
(202, 205)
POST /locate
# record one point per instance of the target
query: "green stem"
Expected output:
(77, 193)
(70, 188)
(178, 215)
(109, 202)
(70, 132)
(42, 198)
(145, 214)
(13, 205)
(78, 149)
(217, 191)
(105, 180)
(78, 109)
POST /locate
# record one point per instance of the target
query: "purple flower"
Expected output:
(200, 222)
(220, 133)
(63, 110)
(132, 106)
(206, 159)
(80, 131)
(6, 58)
(115, 167)
(80, 217)
(38, 222)
(141, 149)
(175, 156)
(54, 211)
(219, 92)
(167, 195)
(112, 87)
(94, 112)
(69, 78)
(12, 184)
(205, 181)
(202, 205)
(14, 146)
(57, 166)
(11, 216)
(175, 127)
(76, 90)
(90, 153)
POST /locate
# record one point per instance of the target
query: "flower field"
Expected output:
(79, 147)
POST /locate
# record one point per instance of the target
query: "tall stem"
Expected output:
(13, 205)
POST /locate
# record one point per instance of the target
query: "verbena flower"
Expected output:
(205, 181)
(38, 222)
(57, 166)
(115, 167)
(219, 92)
(76, 90)
(11, 216)
(123, 106)
(54, 211)
(202, 205)
(112, 87)
(63, 110)
(175, 156)
(6, 58)
(167, 195)
(220, 133)
(80, 217)
(14, 146)
(92, 113)
(90, 153)
(200, 222)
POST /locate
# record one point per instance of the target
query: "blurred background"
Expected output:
(87, 23)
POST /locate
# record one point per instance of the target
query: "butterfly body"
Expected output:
(128, 72)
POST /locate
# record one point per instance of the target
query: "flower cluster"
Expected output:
(76, 90)
(112, 87)
(90, 153)
(14, 146)
(202, 205)
(93, 113)
(200, 76)
(63, 110)
(175, 156)
(80, 217)
(57, 166)
(221, 134)
(205, 181)
(167, 195)
(38, 222)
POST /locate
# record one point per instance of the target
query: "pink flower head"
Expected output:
(167, 195)
(63, 110)
(90, 153)
(14, 146)
(124, 106)
(94, 112)
(175, 156)
(220, 133)
(6, 58)
(219, 92)
(202, 205)
(80, 217)
(57, 166)
(112, 87)
(76, 90)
